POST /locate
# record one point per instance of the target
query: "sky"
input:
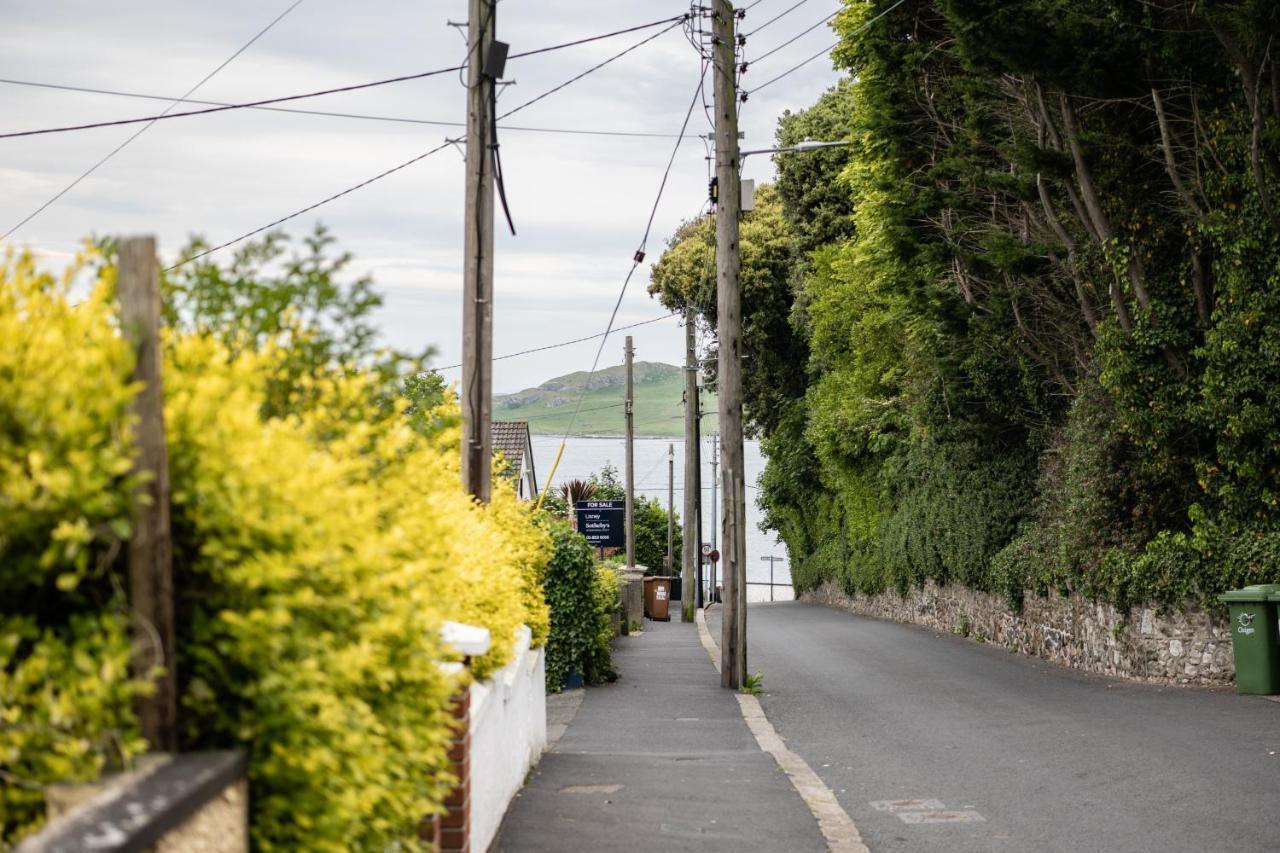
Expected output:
(580, 202)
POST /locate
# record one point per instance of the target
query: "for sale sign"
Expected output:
(602, 522)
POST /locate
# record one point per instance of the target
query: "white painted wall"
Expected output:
(508, 736)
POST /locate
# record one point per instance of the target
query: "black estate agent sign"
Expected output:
(602, 522)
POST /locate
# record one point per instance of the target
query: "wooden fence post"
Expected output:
(150, 545)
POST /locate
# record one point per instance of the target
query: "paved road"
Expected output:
(662, 760)
(1049, 759)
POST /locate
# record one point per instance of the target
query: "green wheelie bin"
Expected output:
(1255, 637)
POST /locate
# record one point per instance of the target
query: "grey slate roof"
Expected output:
(510, 438)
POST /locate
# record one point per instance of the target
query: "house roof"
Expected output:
(511, 438)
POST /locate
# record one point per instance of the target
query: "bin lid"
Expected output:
(1258, 592)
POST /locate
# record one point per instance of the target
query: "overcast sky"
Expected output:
(580, 202)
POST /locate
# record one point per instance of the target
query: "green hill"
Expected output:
(659, 406)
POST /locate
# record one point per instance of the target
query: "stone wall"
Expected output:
(1163, 648)
(190, 803)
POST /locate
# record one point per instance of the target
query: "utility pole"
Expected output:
(691, 581)
(631, 457)
(715, 518)
(671, 509)
(150, 545)
(477, 290)
(733, 647)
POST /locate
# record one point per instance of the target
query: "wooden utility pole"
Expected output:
(150, 545)
(733, 649)
(477, 289)
(671, 509)
(691, 581)
(715, 518)
(629, 355)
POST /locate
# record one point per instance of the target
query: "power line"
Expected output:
(393, 170)
(679, 19)
(567, 343)
(824, 52)
(828, 50)
(795, 38)
(338, 90)
(330, 114)
(777, 18)
(590, 70)
(406, 164)
(174, 102)
(638, 259)
(240, 106)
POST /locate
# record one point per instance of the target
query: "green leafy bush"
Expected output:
(583, 598)
(605, 588)
(320, 539)
(66, 693)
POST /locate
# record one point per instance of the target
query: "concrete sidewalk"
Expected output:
(661, 760)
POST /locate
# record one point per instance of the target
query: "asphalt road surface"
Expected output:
(936, 743)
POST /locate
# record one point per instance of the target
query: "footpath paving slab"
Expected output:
(661, 760)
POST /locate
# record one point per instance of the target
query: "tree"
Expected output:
(299, 303)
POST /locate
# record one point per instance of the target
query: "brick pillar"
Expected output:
(455, 824)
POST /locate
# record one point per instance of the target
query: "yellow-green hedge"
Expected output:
(315, 556)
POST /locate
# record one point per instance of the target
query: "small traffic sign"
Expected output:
(706, 549)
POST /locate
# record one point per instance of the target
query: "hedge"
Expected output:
(316, 555)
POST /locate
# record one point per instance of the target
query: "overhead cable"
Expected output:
(331, 114)
(638, 258)
(794, 38)
(406, 164)
(334, 91)
(173, 103)
(567, 343)
(777, 17)
(825, 51)
(392, 171)
(591, 70)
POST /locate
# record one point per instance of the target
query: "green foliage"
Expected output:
(298, 303)
(66, 708)
(317, 553)
(583, 600)
(685, 276)
(66, 693)
(651, 537)
(605, 596)
(607, 485)
(1038, 293)
(752, 685)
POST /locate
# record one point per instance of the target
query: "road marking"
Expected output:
(591, 789)
(918, 812)
(941, 817)
(895, 806)
(834, 823)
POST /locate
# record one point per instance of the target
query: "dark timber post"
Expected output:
(733, 651)
(477, 289)
(691, 583)
(150, 545)
(631, 457)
